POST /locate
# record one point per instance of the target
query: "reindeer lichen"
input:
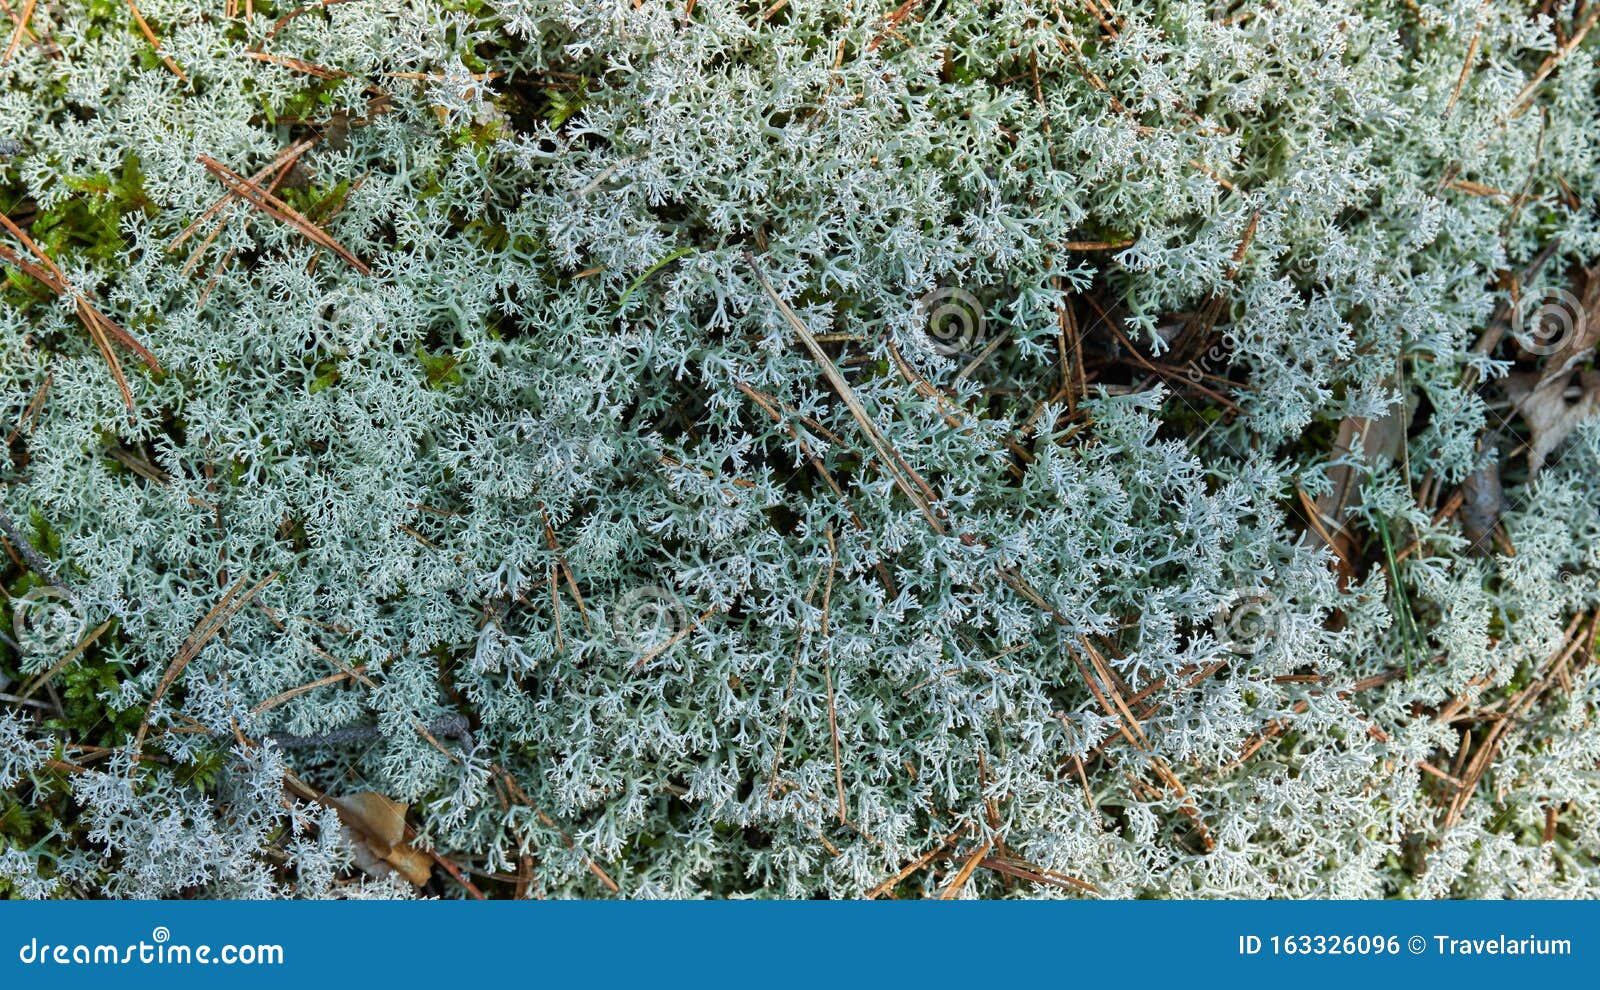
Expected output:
(720, 448)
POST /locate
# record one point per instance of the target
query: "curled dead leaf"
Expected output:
(379, 825)
(1551, 414)
(1565, 327)
(1379, 440)
(1483, 500)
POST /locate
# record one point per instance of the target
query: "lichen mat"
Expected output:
(680, 449)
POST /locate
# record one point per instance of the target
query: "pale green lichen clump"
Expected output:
(482, 471)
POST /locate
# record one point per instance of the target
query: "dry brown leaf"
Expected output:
(1550, 416)
(1482, 502)
(1381, 440)
(380, 825)
(1569, 322)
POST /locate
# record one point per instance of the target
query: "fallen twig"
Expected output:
(276, 208)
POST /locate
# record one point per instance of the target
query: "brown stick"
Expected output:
(827, 667)
(210, 624)
(144, 28)
(279, 210)
(1525, 98)
(892, 459)
(285, 157)
(916, 864)
(954, 888)
(16, 34)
